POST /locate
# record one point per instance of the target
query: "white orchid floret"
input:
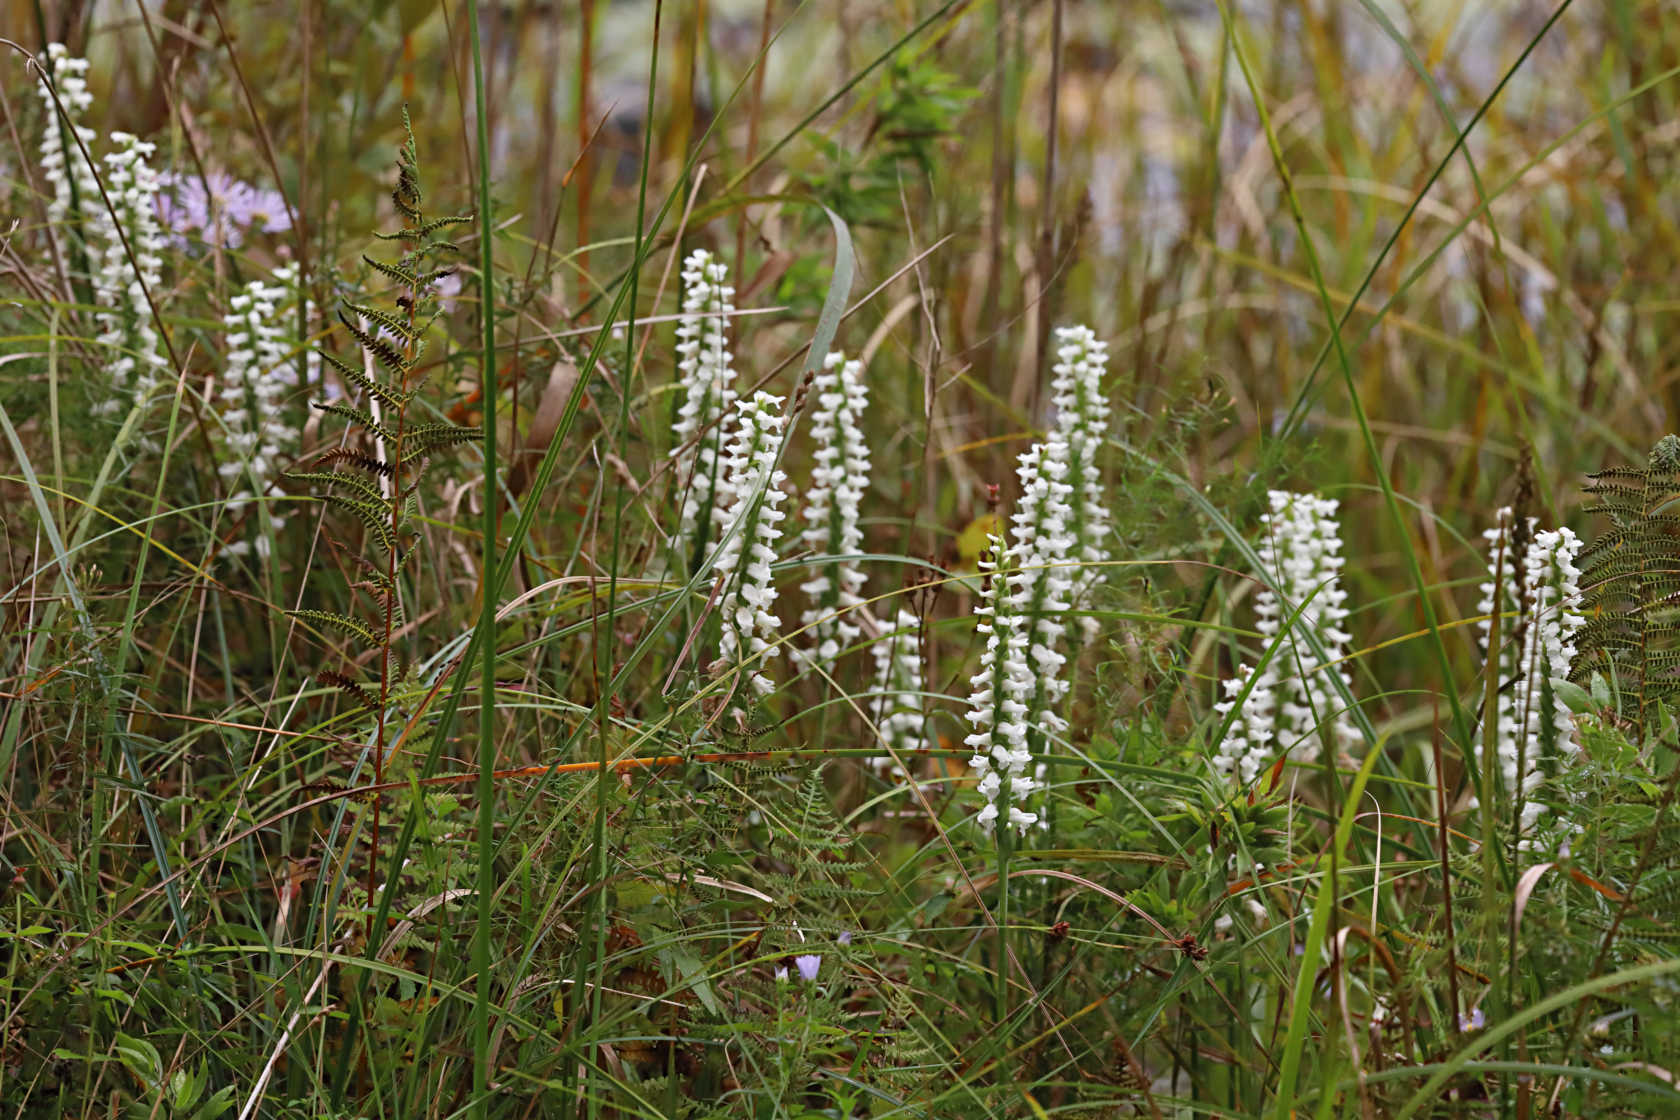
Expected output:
(1042, 584)
(1082, 414)
(125, 316)
(1554, 590)
(1500, 596)
(1295, 700)
(1243, 751)
(1539, 595)
(996, 712)
(898, 680)
(706, 370)
(1021, 683)
(258, 374)
(743, 562)
(838, 480)
(62, 162)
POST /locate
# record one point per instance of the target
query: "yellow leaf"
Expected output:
(973, 540)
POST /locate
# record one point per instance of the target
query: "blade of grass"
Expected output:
(1300, 1015)
(486, 630)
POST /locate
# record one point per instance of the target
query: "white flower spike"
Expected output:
(1082, 415)
(62, 163)
(259, 371)
(898, 681)
(1534, 732)
(996, 710)
(707, 373)
(743, 562)
(838, 480)
(125, 316)
(1295, 701)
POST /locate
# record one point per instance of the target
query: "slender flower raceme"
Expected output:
(1082, 415)
(743, 562)
(707, 372)
(1539, 596)
(62, 162)
(258, 373)
(831, 506)
(1058, 530)
(1554, 591)
(898, 681)
(997, 712)
(1041, 583)
(1500, 596)
(122, 283)
(1294, 703)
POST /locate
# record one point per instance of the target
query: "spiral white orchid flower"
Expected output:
(122, 282)
(62, 162)
(1294, 702)
(743, 562)
(707, 373)
(258, 374)
(838, 480)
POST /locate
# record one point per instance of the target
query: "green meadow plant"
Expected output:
(1183, 712)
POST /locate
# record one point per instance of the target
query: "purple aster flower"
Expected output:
(217, 208)
(1474, 1021)
(447, 289)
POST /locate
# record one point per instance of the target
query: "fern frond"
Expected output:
(389, 356)
(375, 388)
(397, 272)
(355, 458)
(332, 620)
(359, 417)
(429, 438)
(332, 678)
(396, 324)
(360, 485)
(375, 518)
(425, 230)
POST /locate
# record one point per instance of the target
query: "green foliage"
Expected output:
(1630, 581)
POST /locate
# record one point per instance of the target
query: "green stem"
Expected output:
(487, 617)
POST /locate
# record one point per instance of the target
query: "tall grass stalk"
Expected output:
(488, 590)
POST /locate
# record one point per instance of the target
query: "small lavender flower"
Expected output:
(217, 208)
(743, 562)
(898, 680)
(258, 436)
(125, 317)
(808, 964)
(64, 168)
(831, 506)
(707, 375)
(1301, 552)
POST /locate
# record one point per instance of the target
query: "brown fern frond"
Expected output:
(332, 678)
(355, 458)
(388, 355)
